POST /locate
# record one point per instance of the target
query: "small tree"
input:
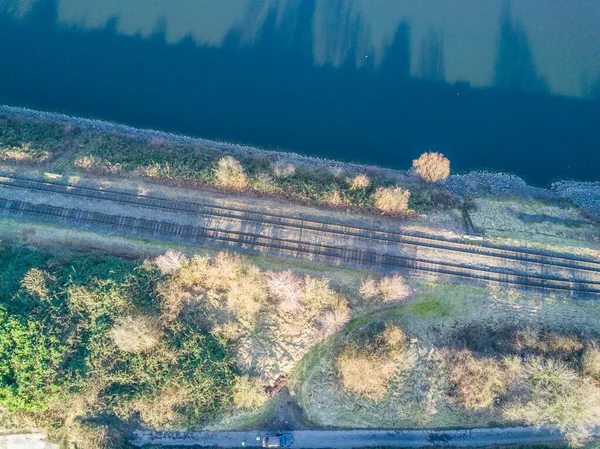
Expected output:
(432, 167)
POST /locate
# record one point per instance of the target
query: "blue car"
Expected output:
(278, 439)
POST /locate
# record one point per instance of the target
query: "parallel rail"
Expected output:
(406, 239)
(284, 246)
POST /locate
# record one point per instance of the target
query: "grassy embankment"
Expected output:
(38, 142)
(93, 346)
(457, 356)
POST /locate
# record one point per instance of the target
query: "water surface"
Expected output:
(509, 87)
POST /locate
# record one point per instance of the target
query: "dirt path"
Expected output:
(358, 438)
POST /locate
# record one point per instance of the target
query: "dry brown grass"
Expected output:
(135, 334)
(364, 373)
(366, 369)
(359, 182)
(170, 262)
(249, 393)
(590, 362)
(551, 393)
(161, 410)
(432, 167)
(230, 174)
(391, 200)
(477, 383)
(36, 282)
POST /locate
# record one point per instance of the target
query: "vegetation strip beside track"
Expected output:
(195, 234)
(488, 250)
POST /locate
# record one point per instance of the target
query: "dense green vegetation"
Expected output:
(30, 141)
(83, 340)
(36, 141)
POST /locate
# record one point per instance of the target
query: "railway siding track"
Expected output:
(407, 239)
(289, 247)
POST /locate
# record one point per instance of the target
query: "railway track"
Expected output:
(406, 239)
(291, 247)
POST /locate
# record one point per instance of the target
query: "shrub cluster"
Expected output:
(367, 363)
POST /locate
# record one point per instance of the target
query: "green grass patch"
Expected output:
(430, 308)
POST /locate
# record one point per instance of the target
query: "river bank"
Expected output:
(275, 170)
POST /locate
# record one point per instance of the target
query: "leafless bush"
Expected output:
(287, 288)
(283, 169)
(359, 182)
(230, 174)
(391, 200)
(135, 334)
(333, 198)
(369, 288)
(432, 167)
(393, 288)
(170, 262)
(249, 393)
(389, 288)
(264, 183)
(318, 295)
(228, 278)
(335, 317)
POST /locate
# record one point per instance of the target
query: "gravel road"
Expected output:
(357, 438)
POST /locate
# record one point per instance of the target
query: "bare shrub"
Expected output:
(551, 393)
(249, 393)
(391, 200)
(393, 288)
(230, 174)
(333, 198)
(228, 278)
(335, 317)
(477, 383)
(365, 374)
(174, 296)
(264, 183)
(359, 182)
(170, 262)
(287, 288)
(389, 288)
(36, 282)
(317, 296)
(283, 169)
(134, 334)
(369, 288)
(85, 162)
(432, 167)
(394, 337)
